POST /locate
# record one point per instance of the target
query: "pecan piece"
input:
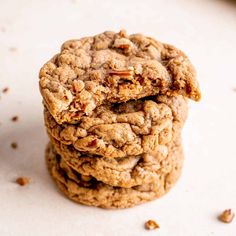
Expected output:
(123, 43)
(5, 90)
(15, 118)
(151, 224)
(227, 216)
(128, 74)
(22, 181)
(92, 143)
(14, 145)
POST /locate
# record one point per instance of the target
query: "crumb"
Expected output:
(151, 224)
(12, 49)
(15, 118)
(234, 89)
(14, 145)
(227, 216)
(2, 29)
(5, 90)
(22, 181)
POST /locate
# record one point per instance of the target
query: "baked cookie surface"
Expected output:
(123, 172)
(124, 129)
(113, 68)
(87, 190)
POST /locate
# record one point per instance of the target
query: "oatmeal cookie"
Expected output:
(112, 68)
(89, 191)
(123, 172)
(124, 129)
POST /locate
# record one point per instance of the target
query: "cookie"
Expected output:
(112, 68)
(123, 172)
(87, 190)
(124, 129)
(126, 171)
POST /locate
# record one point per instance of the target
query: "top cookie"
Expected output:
(113, 67)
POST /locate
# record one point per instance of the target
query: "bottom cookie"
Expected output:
(87, 190)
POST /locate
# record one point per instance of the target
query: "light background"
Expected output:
(205, 30)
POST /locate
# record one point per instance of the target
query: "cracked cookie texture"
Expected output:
(118, 130)
(87, 190)
(133, 169)
(113, 67)
(121, 172)
(114, 108)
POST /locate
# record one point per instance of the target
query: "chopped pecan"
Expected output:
(226, 216)
(5, 90)
(82, 107)
(128, 74)
(15, 118)
(22, 181)
(151, 224)
(140, 80)
(124, 44)
(92, 143)
(14, 145)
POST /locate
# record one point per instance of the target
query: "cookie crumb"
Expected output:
(227, 216)
(3, 29)
(5, 90)
(22, 181)
(15, 118)
(14, 145)
(12, 49)
(234, 89)
(151, 224)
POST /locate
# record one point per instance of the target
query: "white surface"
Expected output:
(205, 30)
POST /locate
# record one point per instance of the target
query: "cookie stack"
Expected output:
(114, 107)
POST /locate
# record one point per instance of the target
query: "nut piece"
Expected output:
(5, 90)
(15, 118)
(14, 145)
(123, 73)
(227, 216)
(123, 43)
(151, 224)
(22, 181)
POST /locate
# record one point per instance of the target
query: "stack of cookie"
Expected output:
(114, 107)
